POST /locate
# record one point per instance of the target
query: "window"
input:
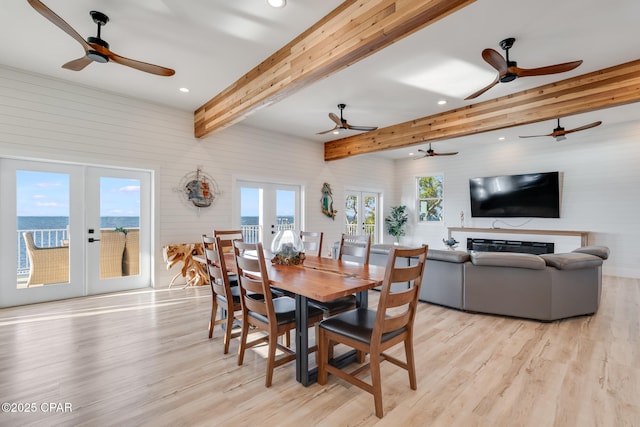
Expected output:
(430, 198)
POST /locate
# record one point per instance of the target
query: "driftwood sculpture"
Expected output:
(192, 270)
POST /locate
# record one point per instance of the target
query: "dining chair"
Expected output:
(224, 296)
(275, 316)
(376, 331)
(312, 241)
(355, 248)
(352, 248)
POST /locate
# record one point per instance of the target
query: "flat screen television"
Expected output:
(510, 196)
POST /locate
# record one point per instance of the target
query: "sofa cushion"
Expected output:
(448, 256)
(599, 251)
(508, 259)
(571, 261)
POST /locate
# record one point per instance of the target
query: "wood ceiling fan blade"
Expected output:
(58, 22)
(138, 65)
(363, 128)
(336, 119)
(497, 61)
(534, 136)
(446, 154)
(589, 126)
(77, 64)
(551, 69)
(484, 89)
(327, 131)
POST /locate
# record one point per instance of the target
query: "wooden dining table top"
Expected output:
(323, 279)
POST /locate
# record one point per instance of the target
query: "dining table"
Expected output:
(322, 279)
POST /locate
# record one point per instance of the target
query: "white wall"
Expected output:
(600, 188)
(44, 118)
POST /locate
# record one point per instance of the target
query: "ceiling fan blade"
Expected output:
(327, 131)
(497, 61)
(551, 69)
(336, 119)
(446, 154)
(58, 22)
(484, 89)
(77, 64)
(138, 65)
(535, 136)
(362, 128)
(589, 126)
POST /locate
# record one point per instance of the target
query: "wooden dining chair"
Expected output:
(224, 296)
(312, 241)
(355, 248)
(352, 248)
(275, 316)
(375, 331)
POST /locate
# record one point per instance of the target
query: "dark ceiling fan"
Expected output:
(559, 132)
(508, 70)
(96, 49)
(431, 153)
(341, 123)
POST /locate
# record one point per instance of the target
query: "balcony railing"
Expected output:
(370, 229)
(253, 233)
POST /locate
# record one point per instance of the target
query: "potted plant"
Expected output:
(396, 221)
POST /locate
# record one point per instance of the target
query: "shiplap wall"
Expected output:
(600, 188)
(48, 119)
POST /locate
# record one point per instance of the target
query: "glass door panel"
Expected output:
(40, 262)
(361, 214)
(266, 208)
(118, 229)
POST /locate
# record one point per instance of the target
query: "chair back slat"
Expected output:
(227, 237)
(216, 267)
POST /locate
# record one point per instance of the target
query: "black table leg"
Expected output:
(303, 375)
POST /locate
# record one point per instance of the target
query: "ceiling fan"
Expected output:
(431, 153)
(559, 132)
(96, 49)
(508, 70)
(341, 123)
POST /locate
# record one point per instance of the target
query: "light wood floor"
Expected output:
(143, 358)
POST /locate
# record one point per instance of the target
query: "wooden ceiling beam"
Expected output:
(605, 88)
(351, 32)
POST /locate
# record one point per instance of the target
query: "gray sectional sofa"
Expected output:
(542, 287)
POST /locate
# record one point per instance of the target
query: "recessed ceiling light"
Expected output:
(336, 132)
(184, 89)
(501, 138)
(277, 3)
(411, 154)
(442, 102)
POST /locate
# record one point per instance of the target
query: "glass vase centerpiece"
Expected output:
(287, 248)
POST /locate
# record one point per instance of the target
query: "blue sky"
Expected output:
(250, 199)
(47, 194)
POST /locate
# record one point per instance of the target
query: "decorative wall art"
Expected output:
(198, 189)
(327, 201)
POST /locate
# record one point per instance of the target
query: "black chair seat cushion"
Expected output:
(336, 305)
(285, 308)
(356, 324)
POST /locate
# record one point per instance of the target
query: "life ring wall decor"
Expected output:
(198, 188)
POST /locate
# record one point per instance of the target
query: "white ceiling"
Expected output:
(211, 43)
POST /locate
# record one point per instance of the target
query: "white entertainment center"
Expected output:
(563, 240)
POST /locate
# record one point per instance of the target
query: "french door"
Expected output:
(266, 208)
(361, 214)
(57, 228)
